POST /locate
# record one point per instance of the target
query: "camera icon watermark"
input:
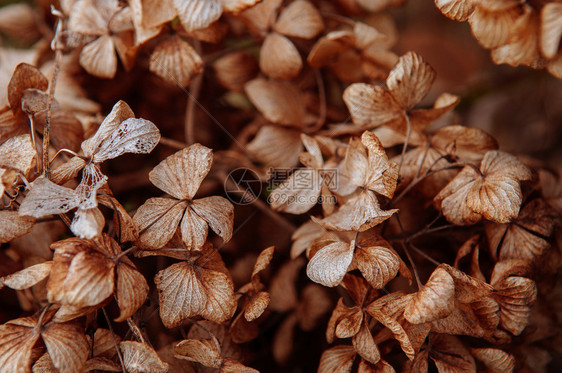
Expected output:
(242, 186)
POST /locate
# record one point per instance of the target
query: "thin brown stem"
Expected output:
(175, 144)
(423, 254)
(405, 147)
(114, 340)
(50, 98)
(419, 180)
(195, 90)
(322, 107)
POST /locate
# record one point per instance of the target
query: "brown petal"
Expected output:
(366, 35)
(12, 225)
(279, 58)
(181, 173)
(234, 70)
(27, 277)
(98, 57)
(525, 237)
(260, 17)
(176, 61)
(120, 112)
(25, 76)
(131, 291)
(16, 343)
(304, 236)
(256, 306)
(492, 29)
(236, 6)
(218, 212)
(18, 153)
(495, 360)
(551, 29)
(284, 339)
(185, 292)
(452, 200)
(67, 346)
(276, 147)
(233, 366)
(140, 358)
(299, 19)
(459, 10)
(365, 345)
(263, 260)
(370, 105)
(314, 305)
(133, 135)
(330, 263)
(279, 102)
(349, 324)
(89, 281)
(337, 359)
(410, 80)
(193, 229)
(328, 47)
(378, 264)
(449, 354)
(157, 221)
(516, 295)
(523, 46)
(434, 301)
(358, 214)
(196, 14)
(282, 289)
(205, 352)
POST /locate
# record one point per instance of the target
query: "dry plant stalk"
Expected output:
(327, 211)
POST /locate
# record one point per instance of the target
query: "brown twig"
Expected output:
(192, 98)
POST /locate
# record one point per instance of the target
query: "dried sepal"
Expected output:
(434, 301)
(299, 19)
(141, 358)
(279, 58)
(24, 76)
(493, 192)
(279, 102)
(13, 225)
(525, 237)
(410, 80)
(27, 277)
(180, 176)
(329, 265)
(365, 345)
(337, 359)
(176, 61)
(459, 10)
(515, 295)
(65, 342)
(494, 359)
(197, 14)
(284, 154)
(200, 286)
(18, 153)
(234, 70)
(357, 214)
(87, 272)
(204, 351)
(378, 263)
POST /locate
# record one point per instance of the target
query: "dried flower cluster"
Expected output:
(339, 218)
(517, 32)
